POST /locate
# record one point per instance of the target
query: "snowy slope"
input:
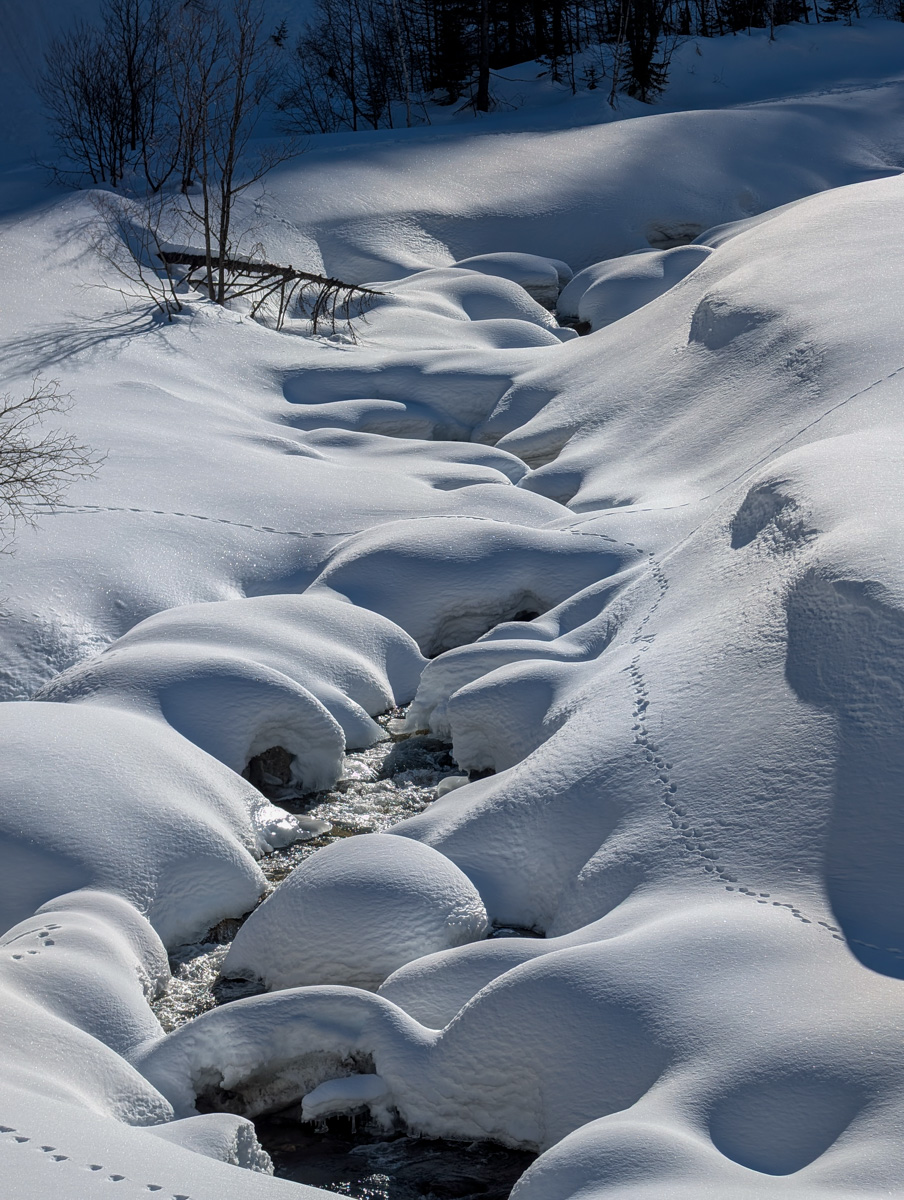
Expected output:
(695, 741)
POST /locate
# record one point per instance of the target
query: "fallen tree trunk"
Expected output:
(273, 281)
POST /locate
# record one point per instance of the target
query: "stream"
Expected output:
(380, 786)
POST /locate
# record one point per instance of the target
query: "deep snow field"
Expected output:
(648, 583)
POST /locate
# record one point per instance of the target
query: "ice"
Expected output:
(349, 1094)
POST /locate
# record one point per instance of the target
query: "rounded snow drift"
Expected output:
(355, 912)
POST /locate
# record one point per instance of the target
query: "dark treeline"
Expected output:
(369, 63)
(171, 88)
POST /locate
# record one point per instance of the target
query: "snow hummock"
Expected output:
(221, 1136)
(355, 912)
(656, 572)
(348, 1095)
(238, 677)
(132, 808)
(608, 291)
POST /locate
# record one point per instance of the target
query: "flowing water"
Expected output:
(370, 1167)
(380, 786)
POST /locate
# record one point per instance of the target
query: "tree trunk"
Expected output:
(482, 101)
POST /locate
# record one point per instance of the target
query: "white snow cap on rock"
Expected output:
(610, 290)
(238, 677)
(447, 582)
(97, 797)
(349, 1094)
(220, 1136)
(356, 911)
(541, 278)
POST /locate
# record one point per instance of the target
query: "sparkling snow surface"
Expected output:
(649, 583)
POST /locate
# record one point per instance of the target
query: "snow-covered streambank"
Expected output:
(649, 578)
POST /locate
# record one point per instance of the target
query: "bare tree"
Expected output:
(274, 288)
(140, 239)
(88, 109)
(37, 465)
(101, 88)
(222, 68)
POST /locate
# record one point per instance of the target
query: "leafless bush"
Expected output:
(37, 465)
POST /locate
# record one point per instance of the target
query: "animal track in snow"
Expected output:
(90, 509)
(54, 1156)
(44, 939)
(690, 836)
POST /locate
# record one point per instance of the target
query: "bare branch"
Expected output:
(37, 465)
(331, 299)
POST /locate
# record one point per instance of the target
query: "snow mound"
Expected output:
(239, 677)
(101, 798)
(610, 290)
(82, 945)
(799, 1090)
(468, 293)
(541, 278)
(356, 911)
(75, 980)
(349, 1095)
(577, 630)
(222, 1136)
(449, 581)
(53, 1148)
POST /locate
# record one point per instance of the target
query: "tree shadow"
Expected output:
(46, 347)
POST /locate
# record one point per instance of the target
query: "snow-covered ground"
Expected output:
(650, 578)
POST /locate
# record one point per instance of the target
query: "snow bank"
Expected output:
(694, 721)
(355, 912)
(220, 1136)
(239, 677)
(447, 582)
(52, 1148)
(101, 798)
(577, 630)
(541, 278)
(608, 291)
(349, 1095)
(76, 979)
(581, 187)
(678, 1039)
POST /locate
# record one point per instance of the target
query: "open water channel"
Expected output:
(380, 786)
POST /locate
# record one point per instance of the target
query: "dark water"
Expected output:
(381, 785)
(374, 1167)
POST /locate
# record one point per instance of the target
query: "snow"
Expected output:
(541, 278)
(102, 798)
(347, 1095)
(354, 913)
(301, 672)
(51, 1148)
(606, 292)
(447, 582)
(220, 1136)
(651, 578)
